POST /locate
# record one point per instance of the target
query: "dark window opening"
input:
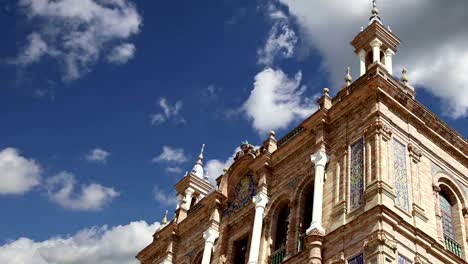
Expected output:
(240, 251)
(282, 227)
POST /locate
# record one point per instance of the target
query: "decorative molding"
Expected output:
(419, 212)
(379, 238)
(296, 131)
(378, 127)
(414, 152)
(338, 259)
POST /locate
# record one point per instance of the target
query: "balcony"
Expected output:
(278, 256)
(453, 246)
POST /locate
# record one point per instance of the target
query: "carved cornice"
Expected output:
(378, 127)
(379, 187)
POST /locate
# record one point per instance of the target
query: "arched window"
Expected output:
(447, 218)
(193, 202)
(308, 202)
(451, 224)
(281, 236)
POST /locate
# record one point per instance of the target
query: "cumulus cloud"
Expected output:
(169, 113)
(281, 40)
(97, 155)
(17, 173)
(116, 245)
(122, 54)
(170, 154)
(76, 33)
(276, 101)
(164, 198)
(433, 49)
(92, 197)
(33, 51)
(174, 170)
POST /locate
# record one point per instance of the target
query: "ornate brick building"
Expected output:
(371, 177)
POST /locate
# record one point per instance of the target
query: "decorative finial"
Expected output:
(272, 134)
(200, 157)
(362, 29)
(404, 76)
(348, 78)
(326, 91)
(375, 13)
(164, 220)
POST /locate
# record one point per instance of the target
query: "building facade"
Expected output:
(371, 177)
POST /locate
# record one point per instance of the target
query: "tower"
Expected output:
(192, 188)
(375, 44)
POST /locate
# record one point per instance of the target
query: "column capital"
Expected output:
(260, 200)
(389, 52)
(189, 191)
(320, 158)
(210, 235)
(362, 53)
(376, 43)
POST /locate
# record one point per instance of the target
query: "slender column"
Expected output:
(320, 159)
(362, 61)
(188, 199)
(388, 60)
(260, 201)
(210, 236)
(376, 44)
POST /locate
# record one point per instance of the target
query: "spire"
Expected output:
(164, 220)
(348, 78)
(200, 157)
(198, 167)
(375, 13)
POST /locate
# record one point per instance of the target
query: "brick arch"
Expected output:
(277, 205)
(452, 191)
(443, 180)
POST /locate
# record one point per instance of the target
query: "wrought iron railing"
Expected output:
(195, 208)
(278, 256)
(453, 246)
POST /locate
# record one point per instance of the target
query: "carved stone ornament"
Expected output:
(222, 259)
(465, 212)
(338, 259)
(246, 149)
(419, 260)
(414, 151)
(378, 127)
(435, 188)
(379, 238)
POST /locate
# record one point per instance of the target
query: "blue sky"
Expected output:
(120, 114)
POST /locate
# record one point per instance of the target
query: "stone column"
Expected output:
(376, 44)
(388, 60)
(320, 159)
(260, 201)
(362, 61)
(436, 192)
(210, 236)
(187, 199)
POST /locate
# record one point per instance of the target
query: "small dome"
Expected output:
(198, 171)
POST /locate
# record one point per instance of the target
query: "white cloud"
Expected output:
(97, 155)
(116, 245)
(169, 113)
(276, 101)
(164, 198)
(176, 170)
(122, 54)
(281, 39)
(170, 154)
(76, 32)
(92, 197)
(17, 174)
(33, 51)
(434, 50)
